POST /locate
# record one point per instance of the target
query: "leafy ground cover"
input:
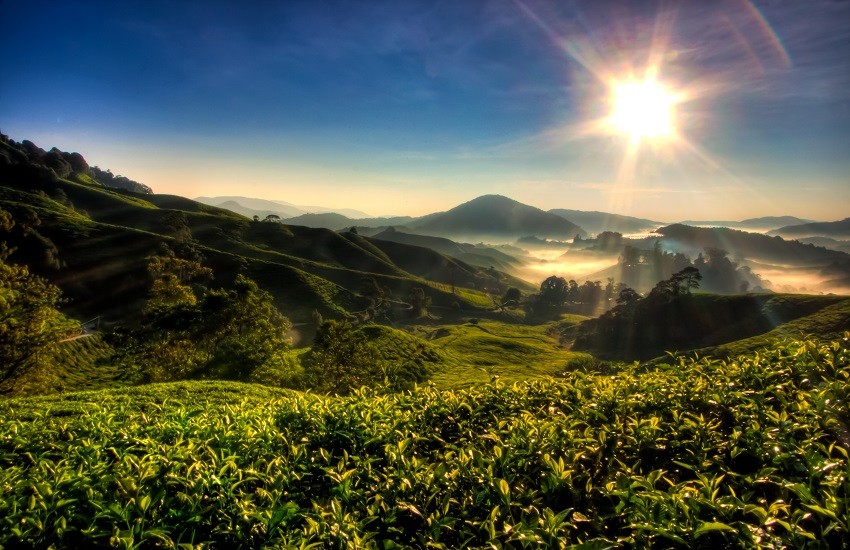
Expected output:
(751, 452)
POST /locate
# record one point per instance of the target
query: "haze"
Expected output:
(413, 107)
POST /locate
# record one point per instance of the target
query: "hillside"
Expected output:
(836, 230)
(495, 216)
(480, 256)
(94, 243)
(597, 222)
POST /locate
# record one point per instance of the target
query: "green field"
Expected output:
(750, 453)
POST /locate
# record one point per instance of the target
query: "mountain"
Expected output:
(597, 222)
(249, 206)
(496, 216)
(762, 224)
(836, 230)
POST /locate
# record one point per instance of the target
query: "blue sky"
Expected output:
(411, 107)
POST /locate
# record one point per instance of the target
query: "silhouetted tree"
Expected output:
(418, 301)
(554, 291)
(511, 297)
(689, 278)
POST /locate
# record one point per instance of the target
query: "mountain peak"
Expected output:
(497, 215)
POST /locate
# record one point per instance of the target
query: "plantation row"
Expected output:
(751, 453)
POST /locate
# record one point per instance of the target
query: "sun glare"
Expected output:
(642, 110)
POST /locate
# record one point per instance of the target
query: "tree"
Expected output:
(241, 329)
(553, 291)
(171, 278)
(272, 218)
(511, 297)
(225, 333)
(690, 278)
(627, 298)
(418, 301)
(30, 322)
(342, 359)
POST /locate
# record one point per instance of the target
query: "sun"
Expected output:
(642, 109)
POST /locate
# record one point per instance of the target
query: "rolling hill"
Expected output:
(94, 243)
(480, 256)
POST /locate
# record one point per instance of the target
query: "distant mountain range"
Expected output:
(597, 222)
(250, 207)
(483, 218)
(762, 224)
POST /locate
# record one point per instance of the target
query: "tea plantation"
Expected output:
(751, 453)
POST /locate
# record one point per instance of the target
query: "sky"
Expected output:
(412, 107)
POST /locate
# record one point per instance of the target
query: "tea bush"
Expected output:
(751, 452)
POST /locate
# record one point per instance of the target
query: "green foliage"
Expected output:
(225, 334)
(30, 323)
(747, 453)
(343, 359)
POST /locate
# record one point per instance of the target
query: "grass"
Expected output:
(698, 454)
